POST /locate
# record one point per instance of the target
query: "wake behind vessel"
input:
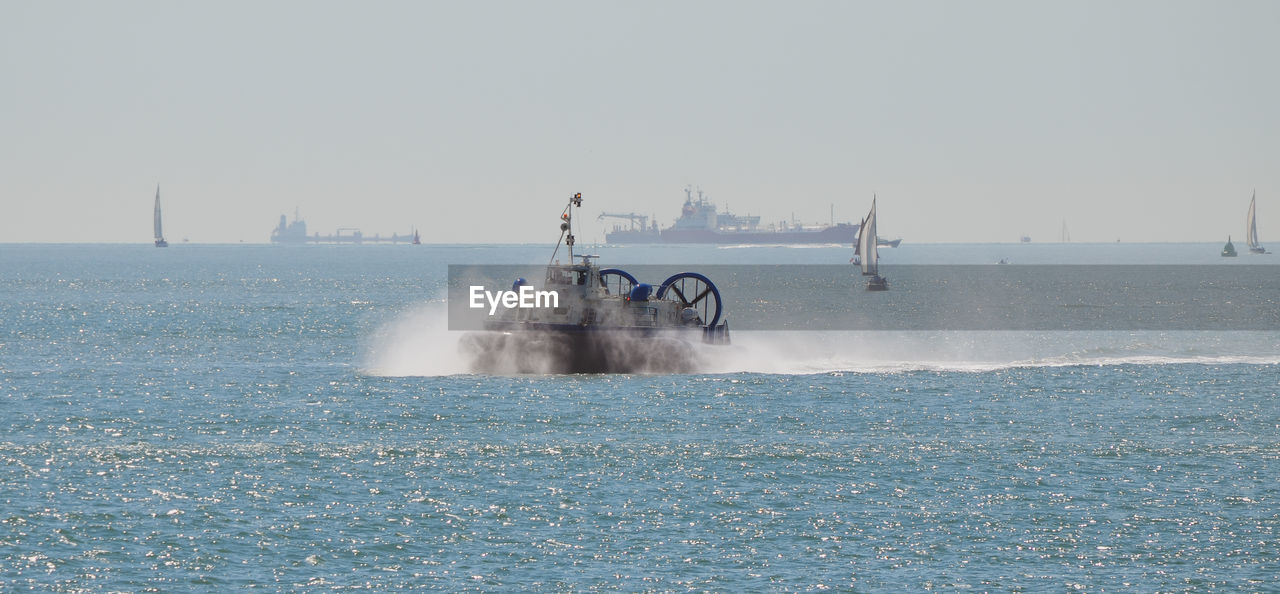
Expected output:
(602, 321)
(701, 222)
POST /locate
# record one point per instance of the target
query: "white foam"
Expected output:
(418, 343)
(794, 353)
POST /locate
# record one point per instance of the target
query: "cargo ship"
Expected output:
(701, 222)
(296, 232)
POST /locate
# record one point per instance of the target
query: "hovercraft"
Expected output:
(604, 321)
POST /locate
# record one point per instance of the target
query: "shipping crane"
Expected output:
(630, 216)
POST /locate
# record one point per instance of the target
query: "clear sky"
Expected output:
(474, 121)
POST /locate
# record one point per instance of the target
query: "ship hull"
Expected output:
(629, 236)
(843, 233)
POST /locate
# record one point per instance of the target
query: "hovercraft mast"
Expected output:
(566, 226)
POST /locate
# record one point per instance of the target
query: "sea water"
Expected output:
(298, 418)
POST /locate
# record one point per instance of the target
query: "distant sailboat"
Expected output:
(1251, 227)
(867, 250)
(1228, 251)
(160, 242)
(417, 239)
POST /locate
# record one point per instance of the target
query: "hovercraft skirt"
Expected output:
(577, 352)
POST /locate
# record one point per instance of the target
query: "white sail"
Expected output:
(867, 243)
(160, 242)
(1251, 223)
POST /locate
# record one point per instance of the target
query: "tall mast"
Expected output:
(158, 233)
(1251, 230)
(566, 226)
(575, 201)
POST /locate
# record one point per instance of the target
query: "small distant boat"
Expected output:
(1025, 239)
(1251, 227)
(417, 239)
(893, 243)
(867, 251)
(160, 242)
(1228, 251)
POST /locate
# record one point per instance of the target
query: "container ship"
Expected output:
(701, 222)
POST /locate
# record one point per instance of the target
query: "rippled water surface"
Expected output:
(213, 417)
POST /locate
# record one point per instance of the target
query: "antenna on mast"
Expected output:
(566, 226)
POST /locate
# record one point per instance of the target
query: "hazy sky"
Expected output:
(474, 121)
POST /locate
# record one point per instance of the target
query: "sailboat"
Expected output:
(417, 239)
(867, 250)
(1251, 226)
(160, 242)
(1228, 251)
